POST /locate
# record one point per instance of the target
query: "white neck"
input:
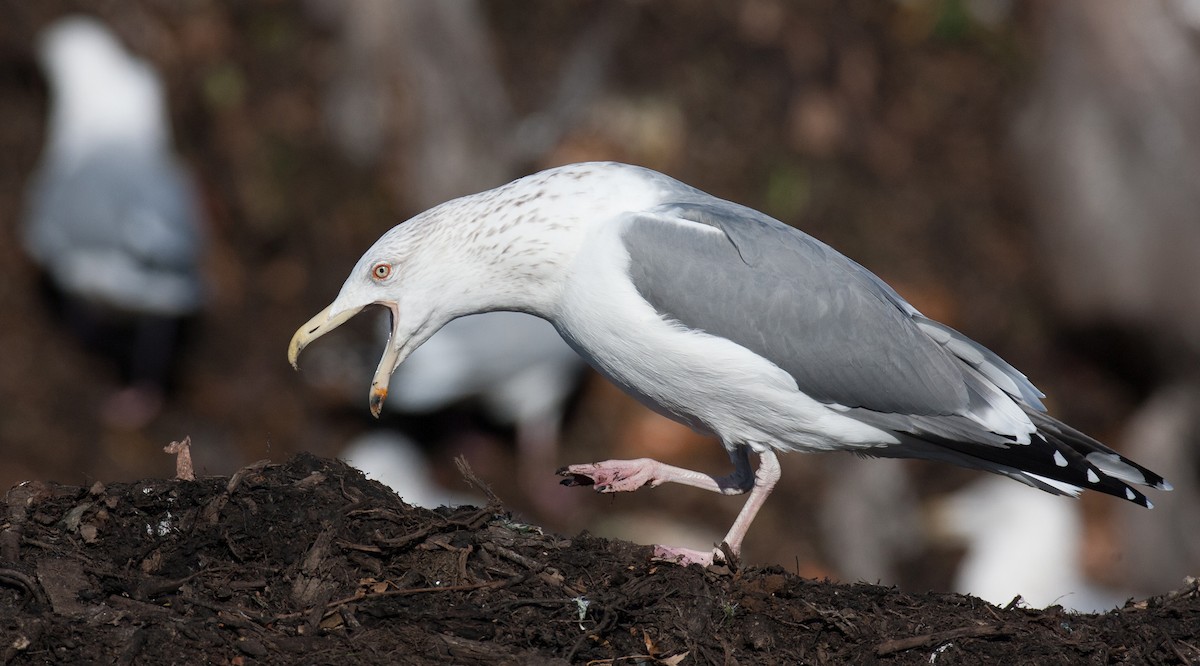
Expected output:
(513, 247)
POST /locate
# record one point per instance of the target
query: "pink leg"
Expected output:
(628, 475)
(622, 476)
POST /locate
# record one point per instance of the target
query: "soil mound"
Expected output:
(309, 562)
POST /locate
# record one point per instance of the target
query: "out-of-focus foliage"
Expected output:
(880, 127)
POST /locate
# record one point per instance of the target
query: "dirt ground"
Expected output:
(310, 562)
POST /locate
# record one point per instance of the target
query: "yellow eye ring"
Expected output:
(381, 270)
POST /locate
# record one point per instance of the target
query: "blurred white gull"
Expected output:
(724, 319)
(112, 218)
(396, 461)
(517, 365)
(1019, 542)
(518, 370)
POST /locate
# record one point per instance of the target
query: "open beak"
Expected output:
(314, 328)
(325, 322)
(387, 365)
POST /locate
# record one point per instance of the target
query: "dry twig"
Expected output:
(183, 459)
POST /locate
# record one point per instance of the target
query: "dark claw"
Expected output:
(575, 479)
(731, 558)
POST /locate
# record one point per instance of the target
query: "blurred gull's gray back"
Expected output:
(112, 217)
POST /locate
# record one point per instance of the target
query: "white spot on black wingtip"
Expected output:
(1092, 478)
(1129, 495)
(1164, 485)
(1115, 466)
(1060, 459)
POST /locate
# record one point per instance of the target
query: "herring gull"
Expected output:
(112, 218)
(724, 319)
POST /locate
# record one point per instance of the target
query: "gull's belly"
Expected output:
(718, 387)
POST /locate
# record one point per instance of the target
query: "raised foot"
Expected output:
(614, 476)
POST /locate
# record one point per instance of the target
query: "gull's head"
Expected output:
(504, 249)
(102, 95)
(77, 41)
(400, 273)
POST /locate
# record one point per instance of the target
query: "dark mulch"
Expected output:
(309, 562)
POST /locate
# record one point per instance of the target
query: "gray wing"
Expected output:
(848, 338)
(124, 228)
(844, 335)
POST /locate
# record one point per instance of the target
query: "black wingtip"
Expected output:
(1077, 455)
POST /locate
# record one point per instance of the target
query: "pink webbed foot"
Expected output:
(616, 476)
(613, 476)
(686, 556)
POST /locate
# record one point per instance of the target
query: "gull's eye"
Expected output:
(381, 270)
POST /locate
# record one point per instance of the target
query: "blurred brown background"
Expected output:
(1026, 172)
